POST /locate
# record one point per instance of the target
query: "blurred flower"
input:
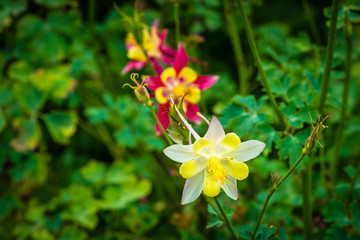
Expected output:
(213, 162)
(153, 43)
(176, 82)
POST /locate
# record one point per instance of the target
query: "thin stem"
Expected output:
(352, 186)
(329, 55)
(271, 192)
(307, 206)
(213, 207)
(265, 80)
(310, 18)
(226, 219)
(161, 127)
(236, 44)
(177, 22)
(340, 130)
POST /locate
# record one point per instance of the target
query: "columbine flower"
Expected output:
(213, 162)
(176, 82)
(154, 45)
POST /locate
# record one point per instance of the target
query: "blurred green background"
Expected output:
(79, 158)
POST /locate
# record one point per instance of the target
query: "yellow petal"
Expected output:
(211, 188)
(168, 72)
(136, 53)
(130, 39)
(238, 170)
(202, 147)
(188, 74)
(193, 95)
(229, 143)
(159, 95)
(179, 90)
(191, 168)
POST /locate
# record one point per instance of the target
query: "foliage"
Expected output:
(79, 157)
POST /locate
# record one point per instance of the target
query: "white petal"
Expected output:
(247, 150)
(180, 153)
(215, 133)
(231, 188)
(193, 188)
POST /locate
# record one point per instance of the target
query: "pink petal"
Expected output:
(166, 60)
(180, 59)
(206, 81)
(163, 35)
(131, 65)
(156, 65)
(167, 50)
(163, 118)
(154, 82)
(198, 61)
(155, 24)
(191, 111)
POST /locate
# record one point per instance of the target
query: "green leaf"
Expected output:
(119, 197)
(93, 171)
(81, 208)
(335, 212)
(10, 8)
(29, 97)
(291, 146)
(61, 125)
(266, 133)
(119, 172)
(29, 134)
(2, 120)
(72, 232)
(20, 71)
(54, 82)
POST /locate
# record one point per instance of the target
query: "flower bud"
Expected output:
(140, 90)
(315, 135)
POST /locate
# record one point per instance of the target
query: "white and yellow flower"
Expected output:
(213, 162)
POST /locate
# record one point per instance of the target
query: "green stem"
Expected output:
(161, 127)
(352, 186)
(310, 18)
(307, 206)
(271, 192)
(329, 55)
(213, 207)
(177, 22)
(345, 97)
(236, 44)
(265, 80)
(226, 219)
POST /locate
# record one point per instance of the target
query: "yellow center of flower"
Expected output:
(216, 171)
(178, 85)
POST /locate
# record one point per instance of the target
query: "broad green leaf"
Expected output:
(29, 134)
(29, 97)
(72, 232)
(61, 125)
(93, 171)
(291, 146)
(81, 208)
(20, 71)
(119, 172)
(55, 82)
(10, 8)
(119, 197)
